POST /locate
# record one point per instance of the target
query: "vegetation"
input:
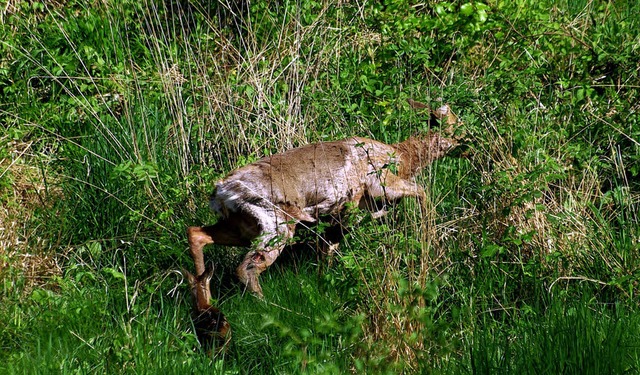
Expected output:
(118, 117)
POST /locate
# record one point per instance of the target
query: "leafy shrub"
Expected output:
(132, 110)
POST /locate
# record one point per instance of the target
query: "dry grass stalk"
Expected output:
(22, 250)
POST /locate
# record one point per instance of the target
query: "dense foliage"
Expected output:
(118, 116)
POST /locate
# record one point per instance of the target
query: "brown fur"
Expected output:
(212, 329)
(261, 202)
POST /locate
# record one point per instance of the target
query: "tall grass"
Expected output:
(120, 115)
(582, 338)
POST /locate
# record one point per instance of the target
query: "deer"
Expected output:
(260, 204)
(212, 328)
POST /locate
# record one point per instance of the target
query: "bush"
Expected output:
(119, 116)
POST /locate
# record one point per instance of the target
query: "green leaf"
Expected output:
(113, 273)
(489, 251)
(466, 9)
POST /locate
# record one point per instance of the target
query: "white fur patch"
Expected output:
(235, 196)
(230, 196)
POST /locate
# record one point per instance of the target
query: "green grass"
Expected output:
(578, 338)
(92, 326)
(117, 118)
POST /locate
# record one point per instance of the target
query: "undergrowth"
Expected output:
(118, 117)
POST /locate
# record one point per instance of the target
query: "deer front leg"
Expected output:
(400, 188)
(396, 188)
(330, 243)
(392, 188)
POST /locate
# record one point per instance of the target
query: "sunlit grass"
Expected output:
(120, 116)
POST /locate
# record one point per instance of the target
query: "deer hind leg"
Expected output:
(276, 233)
(256, 262)
(233, 231)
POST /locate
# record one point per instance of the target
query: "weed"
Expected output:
(119, 116)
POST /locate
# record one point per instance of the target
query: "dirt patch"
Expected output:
(23, 254)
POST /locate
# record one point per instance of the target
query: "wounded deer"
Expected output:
(212, 329)
(260, 204)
